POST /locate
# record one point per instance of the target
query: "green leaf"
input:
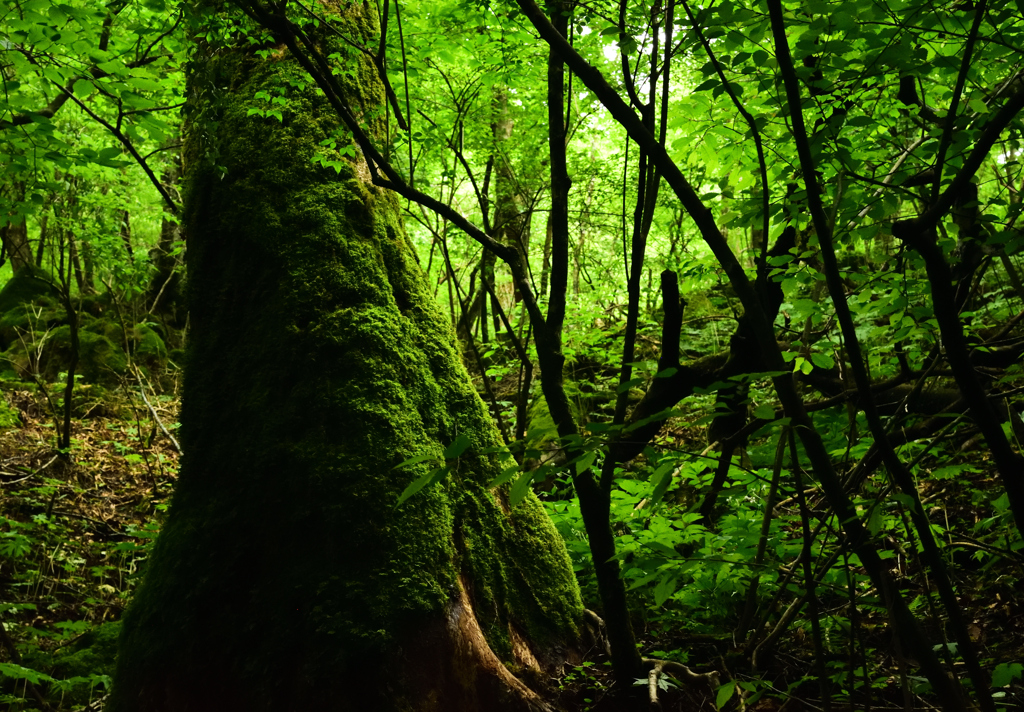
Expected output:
(664, 590)
(623, 387)
(875, 521)
(506, 475)
(143, 84)
(428, 479)
(951, 471)
(764, 412)
(585, 462)
(1006, 673)
(521, 488)
(660, 481)
(662, 548)
(458, 446)
(19, 672)
(414, 460)
(725, 693)
(822, 360)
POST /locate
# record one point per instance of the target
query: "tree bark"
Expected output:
(164, 293)
(285, 577)
(16, 245)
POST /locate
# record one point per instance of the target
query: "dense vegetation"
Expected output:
(739, 284)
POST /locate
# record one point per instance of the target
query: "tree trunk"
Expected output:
(285, 577)
(16, 245)
(164, 294)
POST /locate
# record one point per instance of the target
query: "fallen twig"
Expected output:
(30, 475)
(657, 668)
(152, 411)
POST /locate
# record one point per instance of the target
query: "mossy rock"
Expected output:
(107, 327)
(96, 305)
(29, 285)
(99, 359)
(150, 348)
(27, 321)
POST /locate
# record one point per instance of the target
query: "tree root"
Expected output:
(597, 630)
(657, 668)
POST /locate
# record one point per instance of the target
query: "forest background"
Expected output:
(740, 290)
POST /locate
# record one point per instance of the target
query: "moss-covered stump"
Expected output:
(286, 578)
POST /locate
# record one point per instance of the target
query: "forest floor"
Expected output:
(75, 528)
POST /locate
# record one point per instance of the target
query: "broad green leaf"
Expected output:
(506, 475)
(521, 488)
(457, 447)
(822, 360)
(725, 693)
(660, 481)
(19, 672)
(664, 590)
(1005, 673)
(428, 479)
(414, 460)
(585, 462)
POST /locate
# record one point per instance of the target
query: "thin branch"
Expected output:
(958, 90)
(66, 92)
(131, 149)
(989, 135)
(762, 165)
(152, 411)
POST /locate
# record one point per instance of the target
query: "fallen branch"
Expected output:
(30, 475)
(657, 668)
(152, 411)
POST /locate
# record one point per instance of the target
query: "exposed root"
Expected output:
(479, 666)
(96, 705)
(657, 668)
(652, 687)
(597, 631)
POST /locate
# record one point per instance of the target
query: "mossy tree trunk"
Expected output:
(285, 576)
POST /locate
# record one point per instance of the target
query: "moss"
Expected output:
(9, 416)
(29, 285)
(25, 322)
(149, 347)
(95, 304)
(318, 360)
(99, 359)
(106, 326)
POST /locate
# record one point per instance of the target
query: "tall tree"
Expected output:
(285, 576)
